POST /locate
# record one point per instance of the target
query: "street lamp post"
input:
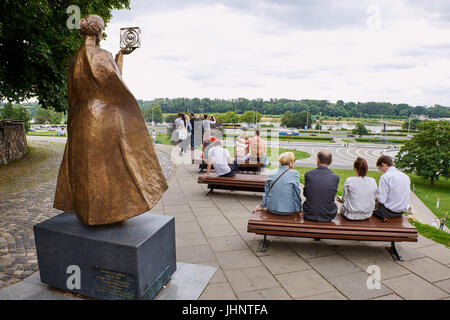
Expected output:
(320, 122)
(409, 123)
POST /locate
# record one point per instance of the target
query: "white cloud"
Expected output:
(221, 49)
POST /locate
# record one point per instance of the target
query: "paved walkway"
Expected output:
(213, 231)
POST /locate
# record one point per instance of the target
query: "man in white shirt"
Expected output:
(220, 158)
(393, 190)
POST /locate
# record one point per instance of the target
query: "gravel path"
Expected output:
(28, 200)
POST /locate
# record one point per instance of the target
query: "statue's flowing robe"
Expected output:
(110, 171)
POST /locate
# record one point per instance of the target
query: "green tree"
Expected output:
(153, 113)
(412, 124)
(42, 115)
(157, 114)
(301, 119)
(251, 116)
(287, 119)
(55, 117)
(427, 154)
(360, 130)
(10, 112)
(36, 46)
(170, 118)
(227, 117)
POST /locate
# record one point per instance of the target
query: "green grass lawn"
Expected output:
(163, 138)
(428, 195)
(43, 134)
(376, 140)
(432, 233)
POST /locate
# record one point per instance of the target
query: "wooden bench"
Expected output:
(241, 182)
(372, 229)
(254, 167)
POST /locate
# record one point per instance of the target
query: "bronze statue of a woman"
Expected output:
(109, 171)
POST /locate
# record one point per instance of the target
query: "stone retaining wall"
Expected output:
(13, 141)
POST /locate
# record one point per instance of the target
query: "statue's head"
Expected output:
(92, 25)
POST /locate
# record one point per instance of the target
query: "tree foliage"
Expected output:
(296, 120)
(251, 117)
(411, 124)
(360, 130)
(427, 154)
(48, 116)
(153, 113)
(281, 106)
(36, 46)
(227, 117)
(10, 112)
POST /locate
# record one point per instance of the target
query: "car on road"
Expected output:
(350, 135)
(313, 134)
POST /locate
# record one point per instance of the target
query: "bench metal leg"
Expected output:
(394, 252)
(211, 191)
(263, 244)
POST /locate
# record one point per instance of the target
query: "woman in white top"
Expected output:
(180, 128)
(207, 126)
(358, 197)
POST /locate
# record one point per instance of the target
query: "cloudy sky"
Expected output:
(354, 50)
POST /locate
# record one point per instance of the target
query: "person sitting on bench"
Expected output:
(393, 190)
(282, 188)
(358, 197)
(242, 148)
(321, 185)
(258, 149)
(220, 158)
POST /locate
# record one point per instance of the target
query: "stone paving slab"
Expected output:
(284, 263)
(428, 269)
(250, 279)
(412, 287)
(334, 295)
(444, 285)
(227, 243)
(277, 293)
(333, 266)
(354, 286)
(304, 283)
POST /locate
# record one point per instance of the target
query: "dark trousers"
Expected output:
(192, 141)
(382, 212)
(234, 169)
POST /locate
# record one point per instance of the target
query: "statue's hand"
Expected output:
(127, 50)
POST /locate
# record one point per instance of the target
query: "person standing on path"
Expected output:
(434, 223)
(441, 226)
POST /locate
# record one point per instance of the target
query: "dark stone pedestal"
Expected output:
(129, 261)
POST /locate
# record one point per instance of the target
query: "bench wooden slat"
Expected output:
(240, 182)
(395, 229)
(337, 237)
(321, 225)
(395, 224)
(252, 228)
